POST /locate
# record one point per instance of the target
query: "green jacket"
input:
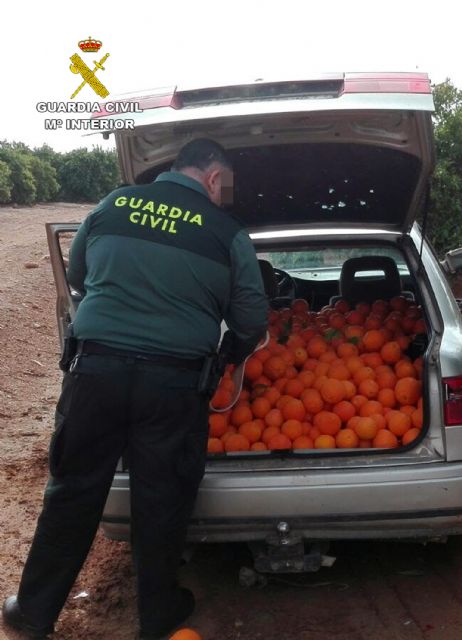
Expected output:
(160, 267)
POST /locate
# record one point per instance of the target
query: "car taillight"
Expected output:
(453, 400)
(386, 83)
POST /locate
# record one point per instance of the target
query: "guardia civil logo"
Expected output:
(88, 75)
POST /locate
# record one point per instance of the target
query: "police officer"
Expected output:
(160, 266)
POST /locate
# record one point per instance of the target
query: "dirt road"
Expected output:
(383, 591)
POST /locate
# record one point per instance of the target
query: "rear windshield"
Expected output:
(325, 263)
(292, 184)
(289, 184)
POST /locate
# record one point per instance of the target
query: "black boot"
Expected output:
(13, 617)
(170, 621)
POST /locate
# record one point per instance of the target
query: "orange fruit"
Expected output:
(391, 352)
(370, 407)
(350, 389)
(312, 400)
(306, 378)
(303, 442)
(346, 350)
(221, 398)
(373, 340)
(279, 441)
(379, 420)
(407, 408)
(364, 373)
(300, 356)
(230, 430)
(353, 333)
(368, 388)
(274, 367)
(294, 409)
(288, 357)
(253, 368)
(372, 359)
(272, 395)
(327, 422)
(215, 445)
(237, 442)
(240, 414)
(358, 401)
(294, 388)
(398, 422)
(373, 321)
(352, 422)
(346, 439)
(227, 383)
(332, 390)
(244, 395)
(299, 305)
(268, 433)
(365, 444)
(324, 442)
(366, 428)
(339, 370)
(408, 390)
(292, 429)
(329, 356)
(217, 425)
(321, 369)
(385, 440)
(417, 417)
(410, 435)
(385, 377)
(291, 373)
(316, 346)
(260, 407)
(283, 400)
(262, 354)
(386, 397)
(345, 410)
(280, 383)
(399, 303)
(261, 381)
(258, 446)
(354, 363)
(405, 369)
(274, 418)
(251, 430)
(185, 634)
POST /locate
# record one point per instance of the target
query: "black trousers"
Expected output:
(156, 417)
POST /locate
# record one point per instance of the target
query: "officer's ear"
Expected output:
(212, 180)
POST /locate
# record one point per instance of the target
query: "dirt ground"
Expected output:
(383, 591)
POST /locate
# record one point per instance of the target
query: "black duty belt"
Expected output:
(85, 347)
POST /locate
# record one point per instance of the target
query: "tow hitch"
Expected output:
(285, 552)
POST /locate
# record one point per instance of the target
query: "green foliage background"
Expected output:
(43, 175)
(29, 175)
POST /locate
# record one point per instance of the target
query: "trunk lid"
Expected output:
(340, 149)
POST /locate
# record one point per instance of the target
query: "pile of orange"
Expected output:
(336, 378)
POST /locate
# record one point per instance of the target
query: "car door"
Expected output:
(59, 237)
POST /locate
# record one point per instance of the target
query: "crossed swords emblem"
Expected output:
(89, 77)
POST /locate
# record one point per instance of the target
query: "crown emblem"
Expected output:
(90, 45)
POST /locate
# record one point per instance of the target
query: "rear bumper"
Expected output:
(413, 501)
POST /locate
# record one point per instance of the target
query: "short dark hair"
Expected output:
(200, 153)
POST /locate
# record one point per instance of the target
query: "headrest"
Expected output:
(385, 285)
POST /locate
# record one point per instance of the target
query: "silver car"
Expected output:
(327, 170)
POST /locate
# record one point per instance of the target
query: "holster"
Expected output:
(214, 366)
(69, 350)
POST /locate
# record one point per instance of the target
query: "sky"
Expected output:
(154, 44)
